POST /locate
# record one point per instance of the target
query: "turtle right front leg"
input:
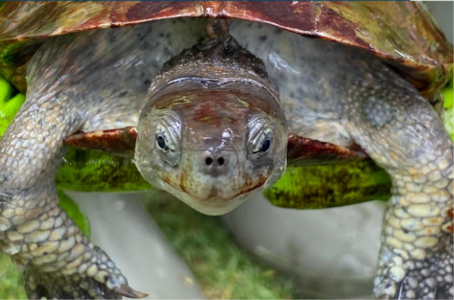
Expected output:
(402, 133)
(58, 260)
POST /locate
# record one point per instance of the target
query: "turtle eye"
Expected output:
(167, 141)
(161, 142)
(262, 143)
(265, 145)
(163, 139)
(260, 140)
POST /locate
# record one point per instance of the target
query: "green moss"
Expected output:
(314, 187)
(95, 171)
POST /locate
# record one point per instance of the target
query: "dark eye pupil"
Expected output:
(265, 146)
(161, 142)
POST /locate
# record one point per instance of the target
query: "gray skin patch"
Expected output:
(378, 111)
(328, 92)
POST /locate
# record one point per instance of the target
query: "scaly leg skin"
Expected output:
(340, 95)
(58, 260)
(403, 134)
(55, 255)
(73, 84)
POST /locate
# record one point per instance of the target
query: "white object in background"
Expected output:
(332, 252)
(121, 225)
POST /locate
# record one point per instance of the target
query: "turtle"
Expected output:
(215, 110)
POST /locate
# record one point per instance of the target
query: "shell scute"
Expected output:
(402, 33)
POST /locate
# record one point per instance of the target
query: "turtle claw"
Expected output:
(129, 292)
(40, 287)
(430, 278)
(385, 289)
(108, 283)
(85, 288)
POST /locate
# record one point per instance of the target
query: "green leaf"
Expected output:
(448, 95)
(447, 114)
(8, 106)
(5, 91)
(74, 212)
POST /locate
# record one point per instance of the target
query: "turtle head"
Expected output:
(211, 135)
(212, 146)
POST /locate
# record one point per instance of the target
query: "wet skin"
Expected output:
(209, 135)
(327, 92)
(210, 171)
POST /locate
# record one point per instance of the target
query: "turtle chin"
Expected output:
(215, 205)
(213, 189)
(217, 195)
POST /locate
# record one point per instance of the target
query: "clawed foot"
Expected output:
(58, 260)
(431, 278)
(97, 281)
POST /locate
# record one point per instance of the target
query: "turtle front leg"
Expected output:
(403, 134)
(58, 260)
(416, 257)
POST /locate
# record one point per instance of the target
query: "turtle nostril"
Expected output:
(209, 160)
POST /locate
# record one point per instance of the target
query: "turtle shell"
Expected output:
(401, 33)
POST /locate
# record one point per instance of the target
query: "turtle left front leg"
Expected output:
(403, 134)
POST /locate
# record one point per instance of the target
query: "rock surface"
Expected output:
(332, 252)
(123, 228)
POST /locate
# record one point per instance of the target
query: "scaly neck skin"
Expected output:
(212, 132)
(216, 61)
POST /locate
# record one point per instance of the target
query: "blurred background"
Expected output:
(258, 251)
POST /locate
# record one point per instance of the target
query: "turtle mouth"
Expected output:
(214, 193)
